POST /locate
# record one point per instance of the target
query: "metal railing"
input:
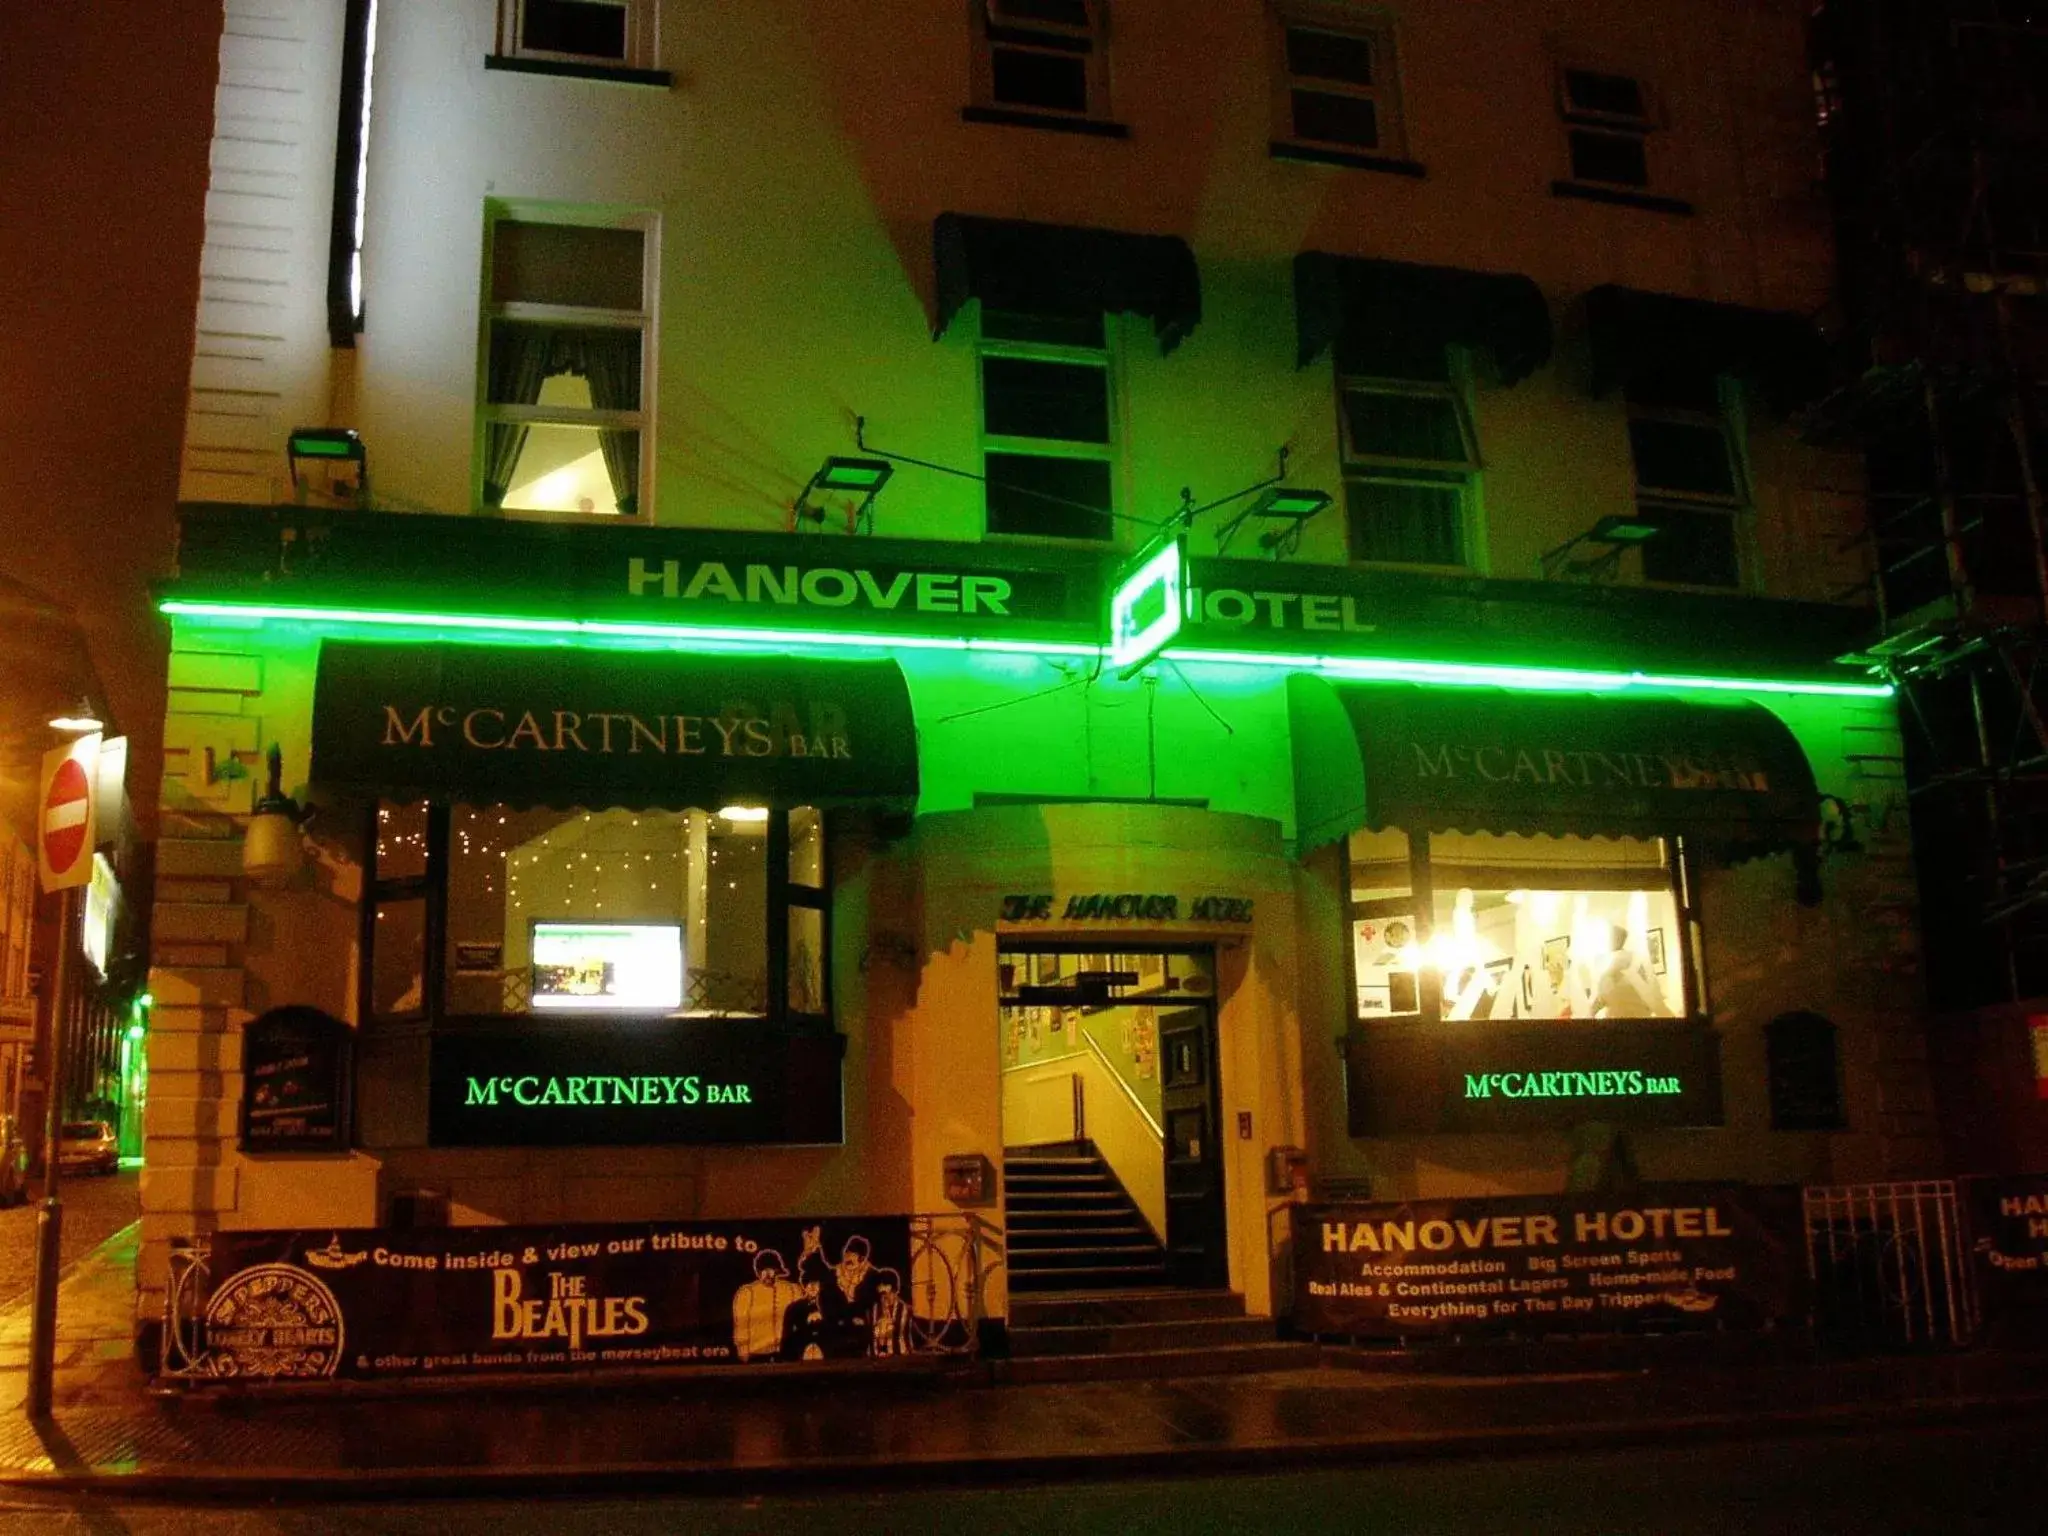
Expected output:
(1888, 1264)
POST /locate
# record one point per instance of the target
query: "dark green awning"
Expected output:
(1058, 269)
(1484, 760)
(1635, 335)
(1371, 307)
(637, 729)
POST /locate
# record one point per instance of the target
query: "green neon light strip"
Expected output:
(624, 630)
(1444, 673)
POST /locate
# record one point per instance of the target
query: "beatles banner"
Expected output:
(375, 1303)
(1673, 1255)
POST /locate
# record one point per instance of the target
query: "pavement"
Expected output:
(94, 1209)
(110, 1434)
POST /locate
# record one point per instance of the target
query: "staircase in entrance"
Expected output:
(1070, 1224)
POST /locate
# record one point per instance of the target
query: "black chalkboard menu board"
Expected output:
(295, 1082)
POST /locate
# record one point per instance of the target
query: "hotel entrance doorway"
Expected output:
(1112, 1173)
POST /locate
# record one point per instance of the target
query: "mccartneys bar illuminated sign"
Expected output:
(1568, 1085)
(598, 1092)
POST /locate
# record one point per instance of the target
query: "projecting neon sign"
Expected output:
(1148, 606)
(1569, 1085)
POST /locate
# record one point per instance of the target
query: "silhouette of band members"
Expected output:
(846, 1310)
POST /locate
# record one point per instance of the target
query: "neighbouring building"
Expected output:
(117, 119)
(726, 798)
(1936, 148)
(45, 671)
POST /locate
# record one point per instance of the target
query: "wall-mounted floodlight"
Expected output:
(1286, 509)
(1283, 510)
(839, 476)
(1617, 533)
(331, 460)
(1147, 605)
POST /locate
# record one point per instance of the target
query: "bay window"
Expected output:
(1456, 927)
(481, 911)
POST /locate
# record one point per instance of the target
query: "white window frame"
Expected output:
(1105, 357)
(641, 37)
(1386, 469)
(1644, 127)
(1384, 93)
(1735, 505)
(988, 17)
(645, 320)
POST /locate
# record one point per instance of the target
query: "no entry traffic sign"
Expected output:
(66, 823)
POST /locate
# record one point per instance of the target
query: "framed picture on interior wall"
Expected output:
(1557, 959)
(1151, 973)
(1654, 942)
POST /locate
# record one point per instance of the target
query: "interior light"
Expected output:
(743, 812)
(81, 719)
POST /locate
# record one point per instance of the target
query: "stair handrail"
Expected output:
(1118, 1078)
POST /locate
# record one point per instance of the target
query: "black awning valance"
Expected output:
(1484, 760)
(546, 726)
(1364, 307)
(1636, 335)
(1058, 269)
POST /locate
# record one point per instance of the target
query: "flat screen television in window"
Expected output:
(608, 967)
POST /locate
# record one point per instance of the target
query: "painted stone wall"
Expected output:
(948, 880)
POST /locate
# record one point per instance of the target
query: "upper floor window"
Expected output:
(1041, 56)
(1688, 481)
(1048, 425)
(1607, 126)
(619, 33)
(1410, 459)
(568, 352)
(1337, 86)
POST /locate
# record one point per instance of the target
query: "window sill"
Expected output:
(1011, 117)
(1316, 154)
(1620, 198)
(610, 74)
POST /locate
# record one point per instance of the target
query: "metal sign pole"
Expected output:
(42, 1336)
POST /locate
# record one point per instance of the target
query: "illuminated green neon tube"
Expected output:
(825, 642)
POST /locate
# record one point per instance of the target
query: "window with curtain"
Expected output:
(568, 349)
(1410, 458)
